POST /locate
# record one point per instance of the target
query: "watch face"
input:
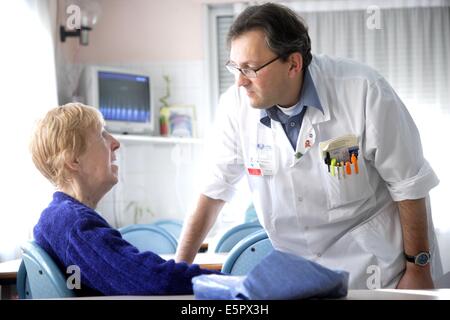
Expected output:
(422, 258)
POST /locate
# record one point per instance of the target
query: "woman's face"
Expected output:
(98, 169)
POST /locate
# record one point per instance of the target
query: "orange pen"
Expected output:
(355, 163)
(348, 168)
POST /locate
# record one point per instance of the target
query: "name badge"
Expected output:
(254, 170)
(261, 164)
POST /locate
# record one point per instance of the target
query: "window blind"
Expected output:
(226, 79)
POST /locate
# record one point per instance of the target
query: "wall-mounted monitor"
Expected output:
(124, 97)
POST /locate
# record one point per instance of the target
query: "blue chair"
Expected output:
(172, 226)
(250, 214)
(39, 277)
(234, 235)
(247, 253)
(147, 237)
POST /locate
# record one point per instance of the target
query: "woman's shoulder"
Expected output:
(64, 212)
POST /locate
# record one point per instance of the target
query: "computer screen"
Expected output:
(124, 98)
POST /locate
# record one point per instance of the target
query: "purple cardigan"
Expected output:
(74, 234)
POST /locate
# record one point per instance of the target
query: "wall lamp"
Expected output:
(83, 33)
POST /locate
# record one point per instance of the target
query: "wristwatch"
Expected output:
(421, 259)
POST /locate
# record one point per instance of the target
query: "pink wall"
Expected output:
(133, 31)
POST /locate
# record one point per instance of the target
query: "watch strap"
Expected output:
(410, 258)
(415, 259)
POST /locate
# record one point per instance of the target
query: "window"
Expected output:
(220, 19)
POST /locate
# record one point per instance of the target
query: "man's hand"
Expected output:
(416, 277)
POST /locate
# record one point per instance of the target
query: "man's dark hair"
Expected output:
(285, 31)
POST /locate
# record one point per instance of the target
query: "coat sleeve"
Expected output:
(225, 165)
(392, 143)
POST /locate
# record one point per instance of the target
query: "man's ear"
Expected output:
(295, 61)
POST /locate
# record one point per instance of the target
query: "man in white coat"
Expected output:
(333, 159)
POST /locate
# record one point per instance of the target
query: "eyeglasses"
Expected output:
(248, 72)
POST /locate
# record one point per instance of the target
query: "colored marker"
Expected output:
(355, 163)
(333, 165)
(343, 168)
(348, 168)
(328, 160)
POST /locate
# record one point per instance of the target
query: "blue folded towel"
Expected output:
(278, 276)
(219, 287)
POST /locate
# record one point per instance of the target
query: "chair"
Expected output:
(39, 277)
(250, 214)
(234, 235)
(172, 226)
(247, 253)
(147, 237)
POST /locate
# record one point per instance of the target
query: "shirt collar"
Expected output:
(308, 98)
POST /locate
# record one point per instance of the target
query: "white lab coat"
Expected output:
(351, 224)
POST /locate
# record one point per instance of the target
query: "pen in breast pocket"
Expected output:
(333, 166)
(355, 163)
(328, 160)
(348, 168)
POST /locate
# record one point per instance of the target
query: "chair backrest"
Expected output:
(247, 253)
(250, 214)
(39, 277)
(148, 237)
(172, 226)
(22, 283)
(236, 234)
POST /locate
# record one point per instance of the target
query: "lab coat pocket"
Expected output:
(381, 238)
(345, 190)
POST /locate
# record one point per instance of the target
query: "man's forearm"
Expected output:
(413, 217)
(197, 227)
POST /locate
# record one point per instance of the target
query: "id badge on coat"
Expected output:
(261, 160)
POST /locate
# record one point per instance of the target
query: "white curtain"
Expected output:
(410, 47)
(27, 90)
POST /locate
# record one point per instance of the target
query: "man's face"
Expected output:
(250, 50)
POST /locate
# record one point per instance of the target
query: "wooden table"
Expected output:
(8, 271)
(207, 260)
(8, 275)
(212, 261)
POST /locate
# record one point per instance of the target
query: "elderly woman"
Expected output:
(71, 148)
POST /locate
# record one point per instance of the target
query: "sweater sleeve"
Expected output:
(112, 266)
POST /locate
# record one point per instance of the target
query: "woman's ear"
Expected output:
(72, 163)
(295, 61)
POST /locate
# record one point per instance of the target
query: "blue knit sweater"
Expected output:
(74, 234)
